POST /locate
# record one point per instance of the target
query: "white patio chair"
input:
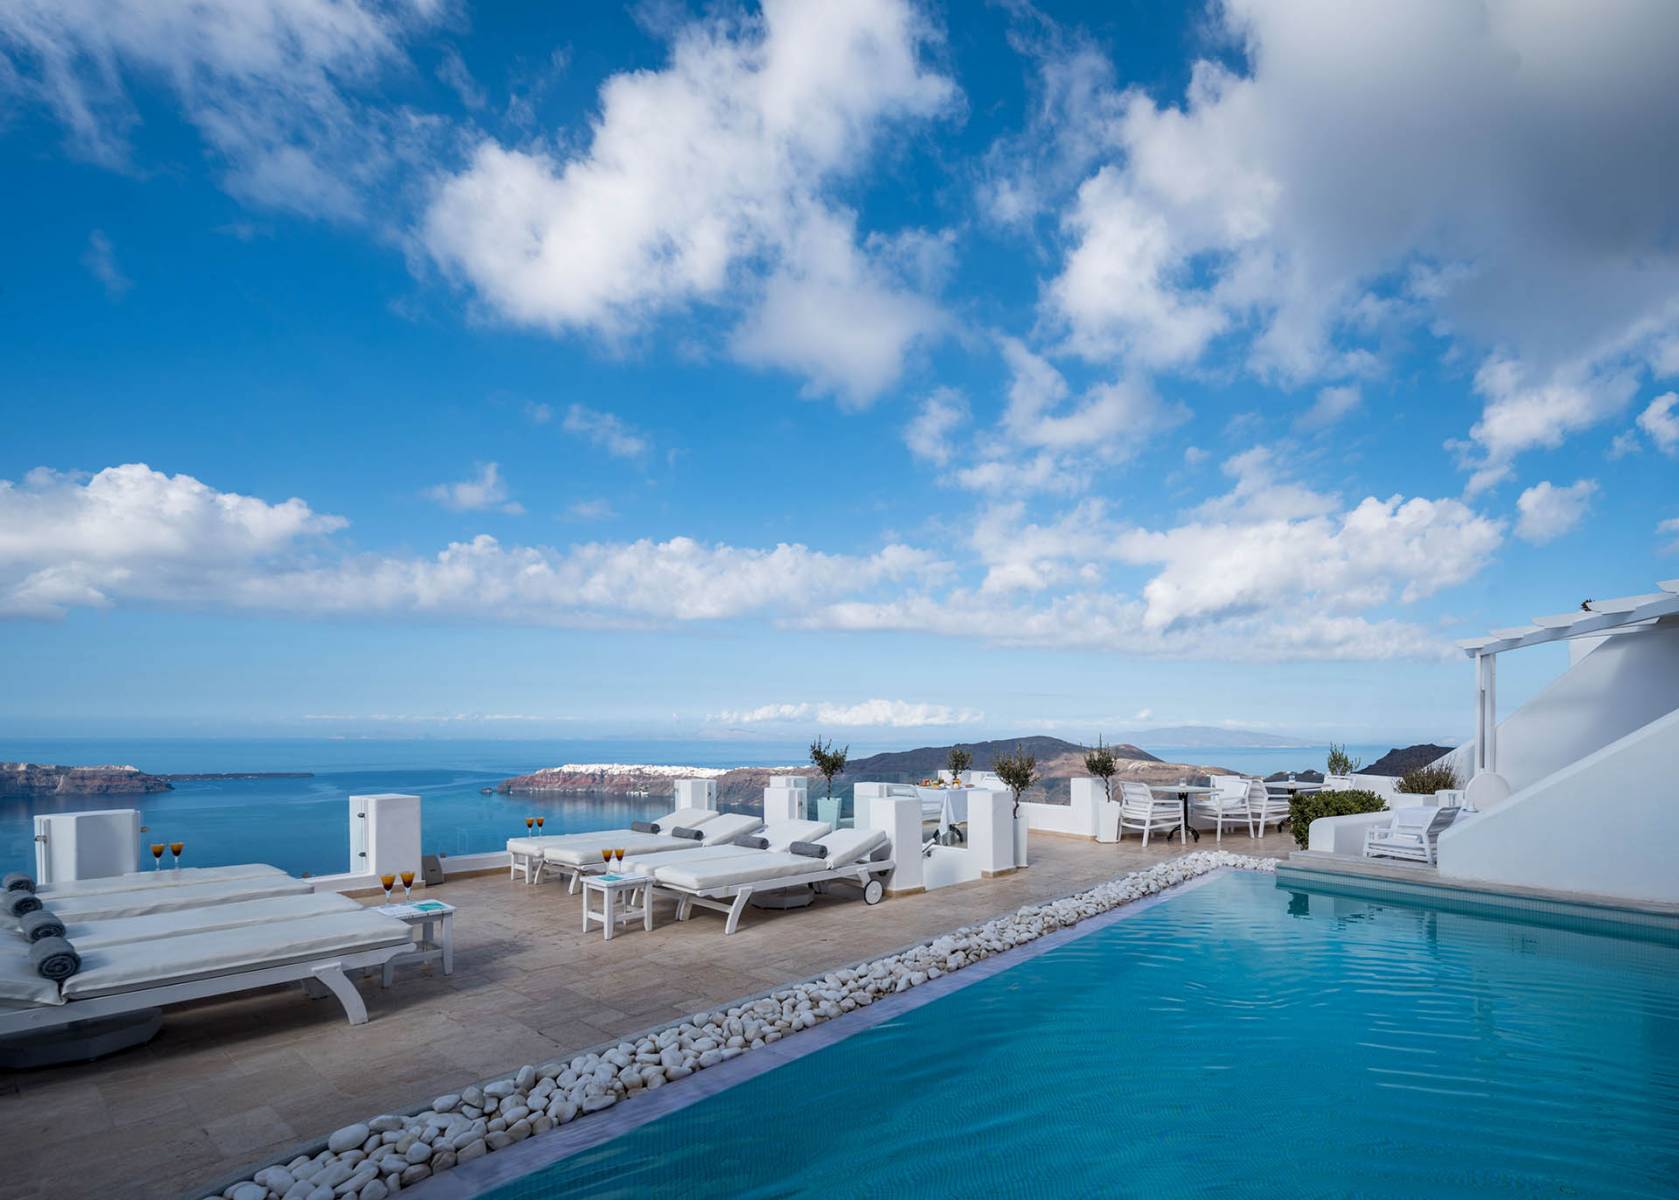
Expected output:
(1412, 835)
(1141, 809)
(1266, 807)
(1226, 804)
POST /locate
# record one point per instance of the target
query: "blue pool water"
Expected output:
(1235, 1040)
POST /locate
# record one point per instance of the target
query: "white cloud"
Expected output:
(884, 714)
(1396, 169)
(930, 435)
(1546, 512)
(1271, 570)
(1332, 404)
(591, 510)
(68, 540)
(605, 430)
(269, 85)
(488, 490)
(708, 181)
(100, 259)
(1660, 423)
(131, 535)
(1670, 527)
(1523, 415)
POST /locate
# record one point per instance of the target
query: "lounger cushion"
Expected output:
(585, 853)
(727, 827)
(751, 866)
(21, 985)
(232, 951)
(94, 935)
(689, 853)
(145, 901)
(695, 817)
(782, 834)
(168, 877)
(848, 846)
(534, 846)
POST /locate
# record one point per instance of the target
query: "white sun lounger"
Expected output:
(726, 884)
(106, 906)
(1411, 835)
(778, 834)
(167, 877)
(524, 854)
(123, 931)
(575, 861)
(114, 980)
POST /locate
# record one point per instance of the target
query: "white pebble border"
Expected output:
(376, 1158)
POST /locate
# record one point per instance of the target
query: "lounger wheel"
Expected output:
(873, 892)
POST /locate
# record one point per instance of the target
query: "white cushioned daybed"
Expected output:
(778, 834)
(144, 901)
(524, 854)
(115, 979)
(575, 860)
(167, 877)
(94, 935)
(725, 883)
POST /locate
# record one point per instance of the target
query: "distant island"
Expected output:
(1217, 737)
(29, 780)
(1058, 762)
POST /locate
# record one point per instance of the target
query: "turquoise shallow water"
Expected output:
(1237, 1040)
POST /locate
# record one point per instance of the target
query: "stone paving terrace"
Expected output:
(242, 1082)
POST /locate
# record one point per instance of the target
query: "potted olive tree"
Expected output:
(830, 762)
(1102, 765)
(960, 760)
(1018, 771)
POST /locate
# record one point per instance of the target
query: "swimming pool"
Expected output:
(1237, 1039)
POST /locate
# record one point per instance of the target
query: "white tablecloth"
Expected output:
(948, 805)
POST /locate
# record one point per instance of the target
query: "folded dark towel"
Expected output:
(19, 903)
(40, 924)
(809, 849)
(753, 843)
(17, 881)
(692, 835)
(55, 958)
(644, 827)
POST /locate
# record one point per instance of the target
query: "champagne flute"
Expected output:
(157, 855)
(387, 881)
(175, 848)
(606, 857)
(407, 886)
(619, 855)
(539, 822)
(529, 821)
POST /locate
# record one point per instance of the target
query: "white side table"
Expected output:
(434, 927)
(618, 902)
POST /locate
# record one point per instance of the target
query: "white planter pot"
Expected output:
(1020, 840)
(1107, 821)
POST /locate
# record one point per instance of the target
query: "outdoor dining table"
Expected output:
(951, 803)
(1293, 785)
(1183, 792)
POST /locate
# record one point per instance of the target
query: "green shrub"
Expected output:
(1425, 781)
(1307, 807)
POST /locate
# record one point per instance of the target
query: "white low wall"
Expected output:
(1344, 835)
(1607, 824)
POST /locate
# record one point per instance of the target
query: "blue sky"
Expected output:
(899, 370)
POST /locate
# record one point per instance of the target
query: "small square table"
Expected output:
(434, 928)
(614, 911)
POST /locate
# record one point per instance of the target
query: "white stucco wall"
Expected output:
(1623, 684)
(1607, 824)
